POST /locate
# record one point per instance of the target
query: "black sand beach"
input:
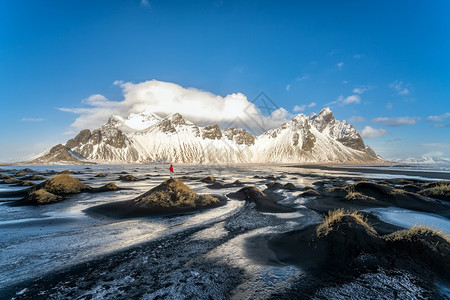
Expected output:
(260, 241)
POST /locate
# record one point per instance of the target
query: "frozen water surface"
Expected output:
(408, 218)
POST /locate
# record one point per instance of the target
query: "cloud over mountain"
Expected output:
(369, 132)
(164, 98)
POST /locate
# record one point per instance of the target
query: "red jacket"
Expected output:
(171, 168)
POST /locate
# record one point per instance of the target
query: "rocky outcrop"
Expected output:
(239, 136)
(212, 132)
(58, 154)
(81, 138)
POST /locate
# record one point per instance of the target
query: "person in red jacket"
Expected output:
(171, 170)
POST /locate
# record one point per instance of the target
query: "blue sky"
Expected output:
(382, 65)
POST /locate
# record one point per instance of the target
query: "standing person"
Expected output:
(171, 170)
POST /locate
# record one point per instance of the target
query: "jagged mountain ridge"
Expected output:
(146, 137)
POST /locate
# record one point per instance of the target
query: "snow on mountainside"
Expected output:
(146, 137)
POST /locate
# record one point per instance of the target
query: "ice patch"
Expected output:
(407, 218)
(286, 215)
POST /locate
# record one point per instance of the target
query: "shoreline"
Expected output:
(416, 173)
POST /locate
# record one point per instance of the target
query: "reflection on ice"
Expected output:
(293, 215)
(408, 218)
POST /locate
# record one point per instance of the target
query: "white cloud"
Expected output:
(145, 3)
(345, 101)
(340, 65)
(358, 56)
(344, 81)
(439, 118)
(164, 98)
(32, 119)
(359, 90)
(288, 87)
(303, 77)
(400, 88)
(389, 105)
(299, 108)
(369, 132)
(351, 99)
(397, 121)
(356, 119)
(96, 100)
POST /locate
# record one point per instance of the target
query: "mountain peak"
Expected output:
(145, 137)
(115, 120)
(323, 119)
(142, 120)
(326, 111)
(177, 119)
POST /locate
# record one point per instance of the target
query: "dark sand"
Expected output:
(175, 263)
(356, 169)
(128, 209)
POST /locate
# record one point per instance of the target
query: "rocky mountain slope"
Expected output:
(148, 138)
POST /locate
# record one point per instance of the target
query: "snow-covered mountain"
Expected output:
(146, 137)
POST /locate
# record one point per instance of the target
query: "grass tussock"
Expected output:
(44, 197)
(335, 217)
(416, 233)
(352, 194)
(65, 184)
(175, 194)
(440, 189)
(12, 180)
(398, 191)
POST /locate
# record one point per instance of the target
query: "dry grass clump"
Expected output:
(111, 186)
(128, 178)
(43, 197)
(65, 184)
(174, 194)
(335, 217)
(66, 172)
(398, 191)
(12, 180)
(333, 189)
(208, 179)
(439, 190)
(416, 233)
(351, 195)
